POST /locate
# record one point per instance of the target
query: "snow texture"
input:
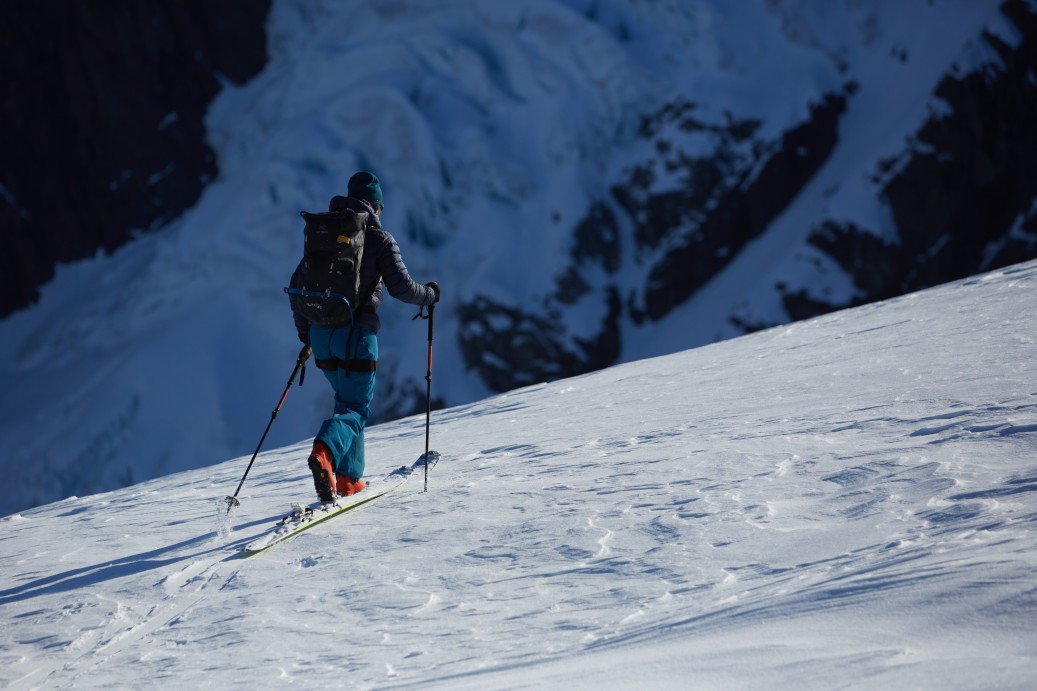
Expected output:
(846, 502)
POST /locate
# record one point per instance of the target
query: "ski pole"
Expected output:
(428, 396)
(300, 364)
(428, 378)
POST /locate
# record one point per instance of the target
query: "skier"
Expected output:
(347, 353)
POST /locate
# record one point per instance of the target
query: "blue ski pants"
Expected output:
(343, 432)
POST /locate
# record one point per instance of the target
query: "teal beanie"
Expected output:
(364, 185)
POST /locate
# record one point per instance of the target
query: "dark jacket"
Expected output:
(382, 263)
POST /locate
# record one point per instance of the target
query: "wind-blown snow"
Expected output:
(842, 502)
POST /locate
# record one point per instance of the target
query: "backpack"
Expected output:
(329, 274)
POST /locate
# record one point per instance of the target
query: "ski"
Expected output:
(305, 517)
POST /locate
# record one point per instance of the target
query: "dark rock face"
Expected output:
(963, 194)
(683, 236)
(510, 347)
(102, 131)
(744, 210)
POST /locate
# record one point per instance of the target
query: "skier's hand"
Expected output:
(304, 337)
(435, 289)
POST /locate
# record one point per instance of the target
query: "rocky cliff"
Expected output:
(101, 125)
(962, 195)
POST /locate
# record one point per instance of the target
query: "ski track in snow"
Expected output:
(843, 501)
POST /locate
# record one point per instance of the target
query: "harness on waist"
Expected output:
(352, 365)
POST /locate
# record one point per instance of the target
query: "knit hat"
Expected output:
(364, 185)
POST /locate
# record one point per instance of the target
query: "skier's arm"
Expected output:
(396, 277)
(302, 325)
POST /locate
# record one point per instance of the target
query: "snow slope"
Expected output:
(842, 502)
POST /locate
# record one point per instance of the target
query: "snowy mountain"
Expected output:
(591, 182)
(844, 502)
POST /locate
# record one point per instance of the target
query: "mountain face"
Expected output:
(682, 237)
(590, 181)
(961, 195)
(102, 128)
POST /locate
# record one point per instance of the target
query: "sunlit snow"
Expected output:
(846, 502)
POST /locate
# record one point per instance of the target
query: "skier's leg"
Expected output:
(343, 432)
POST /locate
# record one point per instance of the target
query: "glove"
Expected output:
(435, 289)
(304, 337)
